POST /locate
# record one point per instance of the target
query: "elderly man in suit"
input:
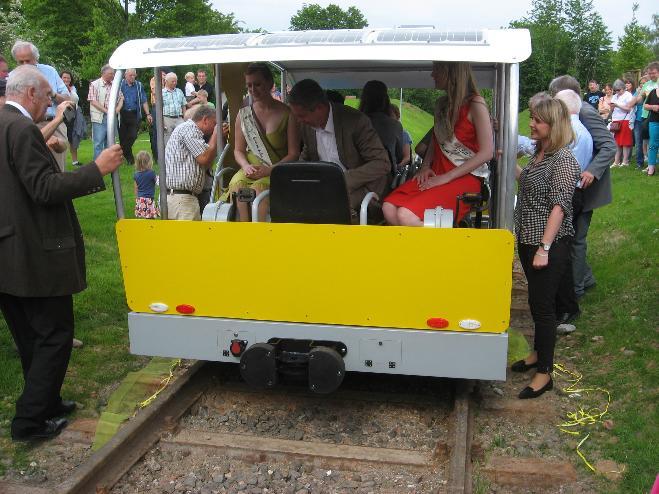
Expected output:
(342, 135)
(594, 190)
(42, 255)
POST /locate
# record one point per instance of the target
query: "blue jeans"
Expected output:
(638, 142)
(654, 143)
(100, 136)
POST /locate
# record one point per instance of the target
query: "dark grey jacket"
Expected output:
(41, 249)
(604, 150)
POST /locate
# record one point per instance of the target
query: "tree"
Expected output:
(313, 16)
(13, 26)
(108, 30)
(168, 18)
(63, 47)
(633, 51)
(568, 37)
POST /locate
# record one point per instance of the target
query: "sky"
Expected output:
(275, 15)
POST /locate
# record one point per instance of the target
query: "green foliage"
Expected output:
(164, 18)
(13, 26)
(59, 47)
(633, 50)
(568, 37)
(653, 36)
(313, 16)
(107, 30)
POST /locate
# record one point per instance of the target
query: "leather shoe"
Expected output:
(66, 407)
(49, 429)
(567, 317)
(529, 392)
(521, 366)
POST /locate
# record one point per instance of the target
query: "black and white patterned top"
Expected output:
(542, 185)
(184, 145)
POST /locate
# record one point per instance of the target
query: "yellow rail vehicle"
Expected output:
(325, 299)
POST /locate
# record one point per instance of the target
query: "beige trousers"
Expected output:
(183, 207)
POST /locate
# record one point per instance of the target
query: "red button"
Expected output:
(437, 322)
(185, 309)
(237, 347)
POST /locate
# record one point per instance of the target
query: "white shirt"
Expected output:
(624, 99)
(326, 142)
(20, 108)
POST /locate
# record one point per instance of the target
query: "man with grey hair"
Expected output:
(25, 53)
(582, 146)
(187, 156)
(595, 190)
(42, 255)
(135, 105)
(99, 97)
(173, 105)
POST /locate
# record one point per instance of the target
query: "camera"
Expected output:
(69, 115)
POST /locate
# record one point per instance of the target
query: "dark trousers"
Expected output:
(544, 284)
(42, 328)
(128, 133)
(153, 133)
(566, 300)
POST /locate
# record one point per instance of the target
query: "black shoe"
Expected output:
(521, 366)
(529, 392)
(66, 407)
(49, 429)
(567, 317)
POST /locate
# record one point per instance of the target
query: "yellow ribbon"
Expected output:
(163, 384)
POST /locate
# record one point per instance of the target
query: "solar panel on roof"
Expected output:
(203, 42)
(417, 36)
(313, 38)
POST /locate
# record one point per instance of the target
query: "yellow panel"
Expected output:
(391, 277)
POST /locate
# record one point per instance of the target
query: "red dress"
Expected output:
(410, 197)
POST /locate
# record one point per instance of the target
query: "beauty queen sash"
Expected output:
(458, 154)
(252, 133)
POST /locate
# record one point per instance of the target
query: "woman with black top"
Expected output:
(543, 226)
(652, 105)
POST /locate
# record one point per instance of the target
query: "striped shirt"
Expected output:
(99, 91)
(543, 185)
(172, 101)
(184, 145)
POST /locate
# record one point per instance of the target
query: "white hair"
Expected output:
(22, 78)
(571, 100)
(105, 68)
(20, 45)
(170, 76)
(130, 71)
(618, 85)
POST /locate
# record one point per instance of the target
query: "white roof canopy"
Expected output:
(341, 58)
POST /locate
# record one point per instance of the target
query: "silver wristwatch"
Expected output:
(545, 247)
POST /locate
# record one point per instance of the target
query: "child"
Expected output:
(190, 93)
(145, 187)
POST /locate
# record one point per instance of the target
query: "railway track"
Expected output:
(209, 432)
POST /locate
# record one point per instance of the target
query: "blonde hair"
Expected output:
(189, 74)
(460, 87)
(143, 161)
(555, 113)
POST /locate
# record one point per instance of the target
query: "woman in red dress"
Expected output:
(456, 160)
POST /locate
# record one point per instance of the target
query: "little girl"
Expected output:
(190, 93)
(145, 187)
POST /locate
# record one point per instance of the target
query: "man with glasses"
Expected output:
(25, 53)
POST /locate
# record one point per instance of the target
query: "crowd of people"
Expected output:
(575, 140)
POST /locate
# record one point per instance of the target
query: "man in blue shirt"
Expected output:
(135, 105)
(25, 53)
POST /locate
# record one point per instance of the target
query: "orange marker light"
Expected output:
(185, 309)
(437, 323)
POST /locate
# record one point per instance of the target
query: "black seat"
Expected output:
(477, 203)
(309, 192)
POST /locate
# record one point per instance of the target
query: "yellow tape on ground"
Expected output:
(582, 417)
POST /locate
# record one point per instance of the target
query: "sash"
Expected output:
(458, 154)
(256, 142)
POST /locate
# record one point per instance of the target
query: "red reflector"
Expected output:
(237, 347)
(437, 322)
(185, 309)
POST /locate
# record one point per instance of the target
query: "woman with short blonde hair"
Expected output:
(544, 231)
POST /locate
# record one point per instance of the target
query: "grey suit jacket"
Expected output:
(41, 249)
(360, 151)
(604, 150)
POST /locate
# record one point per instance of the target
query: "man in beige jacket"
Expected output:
(342, 135)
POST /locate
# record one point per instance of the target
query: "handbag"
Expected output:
(616, 125)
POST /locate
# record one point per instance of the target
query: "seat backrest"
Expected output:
(309, 192)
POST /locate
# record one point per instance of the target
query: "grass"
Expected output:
(622, 252)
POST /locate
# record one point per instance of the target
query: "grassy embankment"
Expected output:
(621, 310)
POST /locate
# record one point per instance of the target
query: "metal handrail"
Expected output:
(112, 125)
(257, 203)
(363, 210)
(219, 172)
